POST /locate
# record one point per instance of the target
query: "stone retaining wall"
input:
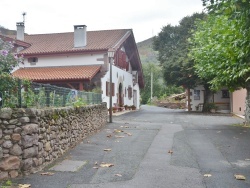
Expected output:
(33, 138)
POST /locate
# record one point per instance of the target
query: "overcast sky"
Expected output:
(145, 17)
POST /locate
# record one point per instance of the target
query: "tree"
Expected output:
(149, 68)
(173, 47)
(221, 46)
(160, 89)
(8, 59)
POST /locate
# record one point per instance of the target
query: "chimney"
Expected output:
(20, 30)
(80, 36)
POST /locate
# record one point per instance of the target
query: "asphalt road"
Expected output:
(140, 143)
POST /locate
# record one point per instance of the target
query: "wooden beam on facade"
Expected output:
(72, 87)
(81, 86)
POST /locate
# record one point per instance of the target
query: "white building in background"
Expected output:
(195, 99)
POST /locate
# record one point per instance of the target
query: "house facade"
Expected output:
(195, 99)
(79, 60)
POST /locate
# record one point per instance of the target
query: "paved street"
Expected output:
(139, 152)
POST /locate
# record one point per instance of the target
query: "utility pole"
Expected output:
(151, 97)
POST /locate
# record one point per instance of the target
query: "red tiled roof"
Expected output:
(64, 42)
(57, 73)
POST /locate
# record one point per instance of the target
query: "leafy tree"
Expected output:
(173, 47)
(8, 59)
(8, 84)
(146, 92)
(221, 45)
(160, 89)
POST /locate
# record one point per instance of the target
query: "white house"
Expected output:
(79, 60)
(195, 99)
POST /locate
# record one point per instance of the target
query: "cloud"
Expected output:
(144, 17)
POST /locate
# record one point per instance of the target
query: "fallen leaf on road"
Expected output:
(119, 136)
(170, 151)
(239, 177)
(47, 173)
(118, 131)
(126, 126)
(96, 163)
(207, 175)
(109, 136)
(129, 134)
(107, 150)
(95, 167)
(106, 165)
(119, 175)
(24, 186)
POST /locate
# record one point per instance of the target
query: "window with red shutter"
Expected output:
(108, 88)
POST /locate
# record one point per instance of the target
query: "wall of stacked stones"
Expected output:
(32, 138)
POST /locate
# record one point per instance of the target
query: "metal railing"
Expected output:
(46, 95)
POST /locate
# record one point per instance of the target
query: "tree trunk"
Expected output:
(207, 95)
(247, 112)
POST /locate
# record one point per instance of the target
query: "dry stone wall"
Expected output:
(32, 138)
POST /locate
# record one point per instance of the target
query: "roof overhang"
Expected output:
(58, 73)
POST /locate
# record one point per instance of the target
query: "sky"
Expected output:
(145, 17)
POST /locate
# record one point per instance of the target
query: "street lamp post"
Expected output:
(111, 54)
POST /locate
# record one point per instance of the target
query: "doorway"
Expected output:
(120, 98)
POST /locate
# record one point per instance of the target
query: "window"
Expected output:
(129, 92)
(33, 60)
(107, 89)
(225, 93)
(197, 94)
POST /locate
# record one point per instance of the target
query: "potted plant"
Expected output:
(211, 107)
(126, 107)
(114, 109)
(133, 107)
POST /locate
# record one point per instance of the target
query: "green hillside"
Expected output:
(147, 54)
(5, 31)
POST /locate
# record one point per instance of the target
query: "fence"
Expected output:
(46, 95)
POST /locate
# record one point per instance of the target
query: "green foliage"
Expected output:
(97, 90)
(79, 102)
(210, 106)
(173, 48)
(9, 89)
(8, 59)
(159, 87)
(221, 47)
(6, 184)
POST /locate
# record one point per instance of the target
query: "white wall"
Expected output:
(216, 98)
(126, 79)
(138, 101)
(194, 102)
(63, 60)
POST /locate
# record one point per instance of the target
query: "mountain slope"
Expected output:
(147, 54)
